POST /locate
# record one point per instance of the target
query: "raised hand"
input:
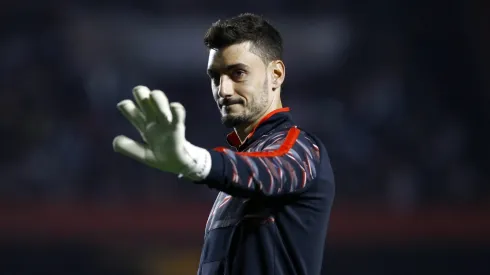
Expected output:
(162, 127)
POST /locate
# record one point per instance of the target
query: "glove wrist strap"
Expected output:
(199, 164)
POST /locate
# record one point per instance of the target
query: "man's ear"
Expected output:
(278, 71)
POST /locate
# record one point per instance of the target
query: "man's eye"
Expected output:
(214, 78)
(238, 74)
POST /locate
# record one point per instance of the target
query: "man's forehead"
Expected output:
(237, 53)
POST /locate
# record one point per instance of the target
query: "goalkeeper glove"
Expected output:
(161, 125)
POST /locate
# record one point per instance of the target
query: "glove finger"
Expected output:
(142, 97)
(133, 114)
(133, 149)
(162, 107)
(178, 113)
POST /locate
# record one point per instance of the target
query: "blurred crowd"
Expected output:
(396, 96)
(397, 90)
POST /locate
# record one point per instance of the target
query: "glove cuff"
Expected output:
(199, 165)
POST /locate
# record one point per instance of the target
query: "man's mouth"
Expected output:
(227, 107)
(228, 104)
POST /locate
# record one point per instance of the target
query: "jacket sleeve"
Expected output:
(287, 164)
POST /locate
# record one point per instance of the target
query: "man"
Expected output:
(276, 187)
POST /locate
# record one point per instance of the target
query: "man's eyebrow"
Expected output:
(228, 68)
(236, 65)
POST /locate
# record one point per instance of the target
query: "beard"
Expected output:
(249, 113)
(232, 121)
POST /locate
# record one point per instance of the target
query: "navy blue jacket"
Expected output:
(272, 212)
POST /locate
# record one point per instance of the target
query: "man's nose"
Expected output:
(225, 87)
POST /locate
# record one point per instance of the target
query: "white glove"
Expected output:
(162, 127)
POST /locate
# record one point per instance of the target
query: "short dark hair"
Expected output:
(246, 27)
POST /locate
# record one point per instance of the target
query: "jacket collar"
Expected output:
(271, 121)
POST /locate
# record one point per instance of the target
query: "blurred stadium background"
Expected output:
(398, 90)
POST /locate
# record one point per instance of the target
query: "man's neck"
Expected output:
(243, 131)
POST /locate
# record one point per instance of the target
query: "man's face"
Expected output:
(240, 84)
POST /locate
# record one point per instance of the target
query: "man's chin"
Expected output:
(232, 121)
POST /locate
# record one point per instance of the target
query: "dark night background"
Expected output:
(397, 90)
